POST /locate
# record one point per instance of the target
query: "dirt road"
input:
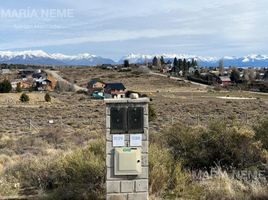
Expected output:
(180, 79)
(59, 78)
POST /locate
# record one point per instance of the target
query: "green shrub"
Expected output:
(24, 97)
(152, 113)
(261, 131)
(76, 175)
(216, 145)
(47, 97)
(80, 175)
(5, 86)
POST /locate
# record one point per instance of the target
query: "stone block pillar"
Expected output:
(127, 187)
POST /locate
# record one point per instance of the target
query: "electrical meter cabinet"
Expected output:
(127, 161)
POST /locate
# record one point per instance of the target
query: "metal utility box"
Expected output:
(127, 161)
(118, 120)
(127, 120)
(135, 120)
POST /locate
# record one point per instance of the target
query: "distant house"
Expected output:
(42, 84)
(114, 90)
(215, 72)
(192, 70)
(24, 73)
(24, 84)
(37, 75)
(107, 66)
(95, 85)
(225, 81)
(125, 69)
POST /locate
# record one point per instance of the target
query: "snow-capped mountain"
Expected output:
(40, 57)
(253, 60)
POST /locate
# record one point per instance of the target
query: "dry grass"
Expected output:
(13, 99)
(223, 187)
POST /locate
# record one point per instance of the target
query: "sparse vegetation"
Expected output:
(59, 160)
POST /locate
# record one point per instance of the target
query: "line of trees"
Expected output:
(178, 64)
(183, 65)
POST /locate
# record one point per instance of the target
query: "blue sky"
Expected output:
(114, 28)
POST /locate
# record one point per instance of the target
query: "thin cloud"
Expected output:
(169, 25)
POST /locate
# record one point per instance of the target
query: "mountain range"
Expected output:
(252, 60)
(39, 57)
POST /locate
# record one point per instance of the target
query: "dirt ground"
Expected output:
(176, 101)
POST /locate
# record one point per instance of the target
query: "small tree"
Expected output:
(180, 64)
(126, 63)
(155, 61)
(175, 65)
(162, 60)
(47, 97)
(235, 75)
(24, 97)
(194, 63)
(221, 67)
(5, 86)
(18, 88)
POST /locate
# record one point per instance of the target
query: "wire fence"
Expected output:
(189, 119)
(22, 126)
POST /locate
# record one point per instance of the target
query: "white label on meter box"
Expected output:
(118, 140)
(136, 140)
